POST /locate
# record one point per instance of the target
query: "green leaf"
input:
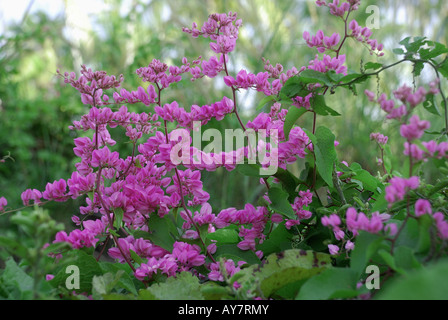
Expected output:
(355, 77)
(118, 217)
(213, 291)
(280, 203)
(163, 231)
(418, 67)
(224, 236)
(325, 152)
(292, 116)
(104, 284)
(125, 280)
(293, 87)
(390, 260)
(14, 280)
(88, 268)
(443, 68)
(435, 50)
(366, 246)
(312, 76)
(405, 258)
(398, 51)
(439, 186)
(282, 269)
(231, 251)
(424, 284)
(320, 107)
(373, 65)
(279, 239)
(135, 257)
(332, 283)
(415, 234)
(13, 247)
(289, 182)
(414, 46)
(264, 101)
(368, 181)
(184, 286)
(430, 105)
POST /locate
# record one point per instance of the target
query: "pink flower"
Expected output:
(3, 203)
(56, 191)
(378, 137)
(391, 229)
(413, 150)
(415, 128)
(442, 225)
(212, 67)
(359, 221)
(399, 187)
(104, 158)
(370, 95)
(333, 221)
(187, 254)
(334, 250)
(224, 44)
(147, 269)
(276, 218)
(217, 274)
(422, 206)
(349, 245)
(31, 194)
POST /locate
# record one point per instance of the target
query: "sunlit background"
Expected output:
(38, 37)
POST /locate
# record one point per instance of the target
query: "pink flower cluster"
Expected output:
(91, 85)
(222, 29)
(363, 34)
(146, 97)
(321, 42)
(328, 63)
(355, 222)
(415, 128)
(359, 221)
(302, 102)
(379, 138)
(339, 9)
(226, 271)
(279, 151)
(398, 188)
(409, 100)
(3, 203)
(300, 203)
(144, 123)
(88, 237)
(250, 215)
(210, 68)
(143, 248)
(159, 73)
(412, 128)
(422, 207)
(184, 257)
(172, 112)
(245, 80)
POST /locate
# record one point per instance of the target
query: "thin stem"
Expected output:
(130, 163)
(382, 161)
(235, 109)
(314, 155)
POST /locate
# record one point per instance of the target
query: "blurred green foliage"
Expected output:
(36, 107)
